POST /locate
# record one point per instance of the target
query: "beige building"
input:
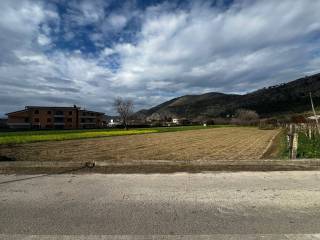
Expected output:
(39, 117)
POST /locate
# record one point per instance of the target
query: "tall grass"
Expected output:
(282, 148)
(308, 148)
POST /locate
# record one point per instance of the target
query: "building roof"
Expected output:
(85, 110)
(48, 107)
(53, 108)
(24, 110)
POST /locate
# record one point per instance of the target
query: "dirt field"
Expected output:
(216, 144)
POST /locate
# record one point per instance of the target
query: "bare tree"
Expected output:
(124, 108)
(245, 117)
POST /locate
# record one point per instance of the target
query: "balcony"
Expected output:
(91, 117)
(59, 123)
(18, 124)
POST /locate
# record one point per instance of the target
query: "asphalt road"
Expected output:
(244, 205)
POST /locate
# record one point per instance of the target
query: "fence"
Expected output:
(310, 130)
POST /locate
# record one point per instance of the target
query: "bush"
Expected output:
(245, 117)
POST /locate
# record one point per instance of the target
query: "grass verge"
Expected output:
(60, 135)
(283, 148)
(278, 148)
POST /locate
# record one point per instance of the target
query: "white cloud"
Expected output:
(20, 16)
(83, 12)
(117, 21)
(30, 76)
(175, 51)
(107, 51)
(251, 42)
(43, 40)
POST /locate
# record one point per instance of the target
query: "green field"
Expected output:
(59, 135)
(308, 148)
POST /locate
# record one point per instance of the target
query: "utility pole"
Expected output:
(314, 113)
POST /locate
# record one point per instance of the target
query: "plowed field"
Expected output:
(235, 143)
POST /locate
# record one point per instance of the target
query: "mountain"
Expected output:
(291, 97)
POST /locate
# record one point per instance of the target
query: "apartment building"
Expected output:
(3, 123)
(39, 117)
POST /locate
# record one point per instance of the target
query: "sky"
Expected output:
(88, 52)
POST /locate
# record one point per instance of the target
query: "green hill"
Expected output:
(288, 98)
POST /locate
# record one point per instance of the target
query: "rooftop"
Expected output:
(54, 108)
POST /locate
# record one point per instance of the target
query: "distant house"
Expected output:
(181, 121)
(113, 123)
(40, 117)
(314, 117)
(299, 119)
(175, 121)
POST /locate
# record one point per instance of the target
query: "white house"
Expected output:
(113, 123)
(314, 117)
(175, 120)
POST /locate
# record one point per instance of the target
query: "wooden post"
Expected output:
(293, 141)
(289, 138)
(310, 132)
(294, 149)
(314, 113)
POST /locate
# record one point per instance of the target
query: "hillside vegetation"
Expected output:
(292, 97)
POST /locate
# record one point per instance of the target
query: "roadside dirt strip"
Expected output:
(164, 237)
(157, 166)
(233, 143)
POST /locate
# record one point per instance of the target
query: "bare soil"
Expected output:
(238, 143)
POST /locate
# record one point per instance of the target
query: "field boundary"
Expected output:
(157, 166)
(273, 146)
(270, 143)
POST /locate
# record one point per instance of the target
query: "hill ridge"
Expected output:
(290, 97)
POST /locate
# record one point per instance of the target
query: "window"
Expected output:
(59, 113)
(36, 120)
(70, 112)
(92, 114)
(69, 120)
(49, 112)
(49, 120)
(26, 120)
(36, 112)
(59, 120)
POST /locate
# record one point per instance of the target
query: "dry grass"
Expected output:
(210, 144)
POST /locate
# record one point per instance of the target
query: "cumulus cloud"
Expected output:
(95, 50)
(116, 22)
(247, 45)
(43, 40)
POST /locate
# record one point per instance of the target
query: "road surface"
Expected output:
(243, 205)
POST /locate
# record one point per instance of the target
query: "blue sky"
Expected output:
(87, 52)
